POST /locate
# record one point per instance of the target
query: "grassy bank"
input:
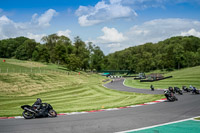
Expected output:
(183, 77)
(65, 92)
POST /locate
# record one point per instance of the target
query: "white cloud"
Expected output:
(8, 28)
(83, 21)
(45, 18)
(34, 18)
(111, 41)
(150, 31)
(191, 32)
(112, 45)
(102, 12)
(11, 29)
(37, 37)
(64, 33)
(111, 35)
(4, 20)
(160, 29)
(106, 10)
(115, 47)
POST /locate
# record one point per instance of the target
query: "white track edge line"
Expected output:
(192, 118)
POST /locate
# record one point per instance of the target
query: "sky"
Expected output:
(112, 25)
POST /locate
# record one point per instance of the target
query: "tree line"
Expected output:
(173, 53)
(56, 49)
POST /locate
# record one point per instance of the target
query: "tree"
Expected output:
(81, 52)
(60, 53)
(96, 57)
(8, 46)
(3, 49)
(74, 62)
(50, 41)
(25, 50)
(21, 53)
(41, 54)
(178, 52)
(64, 41)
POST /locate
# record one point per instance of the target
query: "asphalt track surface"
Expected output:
(118, 85)
(187, 106)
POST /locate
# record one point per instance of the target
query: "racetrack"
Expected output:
(118, 85)
(110, 121)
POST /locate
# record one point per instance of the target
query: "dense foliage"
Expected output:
(173, 53)
(56, 49)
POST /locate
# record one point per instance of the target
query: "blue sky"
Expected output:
(111, 24)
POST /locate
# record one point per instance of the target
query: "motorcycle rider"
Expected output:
(191, 87)
(195, 91)
(37, 104)
(170, 95)
(171, 89)
(152, 88)
(38, 109)
(185, 89)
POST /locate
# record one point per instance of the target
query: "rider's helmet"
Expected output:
(39, 100)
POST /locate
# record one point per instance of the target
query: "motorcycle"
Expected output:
(152, 88)
(184, 88)
(45, 111)
(195, 91)
(170, 96)
(178, 90)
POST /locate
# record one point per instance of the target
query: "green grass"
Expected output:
(198, 118)
(183, 77)
(65, 92)
(19, 66)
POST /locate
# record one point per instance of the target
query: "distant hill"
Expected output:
(173, 53)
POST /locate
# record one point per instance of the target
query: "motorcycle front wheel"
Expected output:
(28, 115)
(52, 113)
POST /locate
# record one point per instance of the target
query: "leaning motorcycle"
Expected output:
(195, 91)
(170, 96)
(184, 88)
(178, 90)
(45, 111)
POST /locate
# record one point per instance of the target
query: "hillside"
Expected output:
(65, 91)
(170, 54)
(186, 77)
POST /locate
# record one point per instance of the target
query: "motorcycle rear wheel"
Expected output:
(52, 113)
(28, 115)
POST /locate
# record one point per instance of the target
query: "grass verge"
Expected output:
(183, 77)
(198, 118)
(65, 92)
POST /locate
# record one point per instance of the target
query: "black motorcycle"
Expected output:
(46, 110)
(170, 96)
(184, 88)
(152, 88)
(178, 90)
(195, 91)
